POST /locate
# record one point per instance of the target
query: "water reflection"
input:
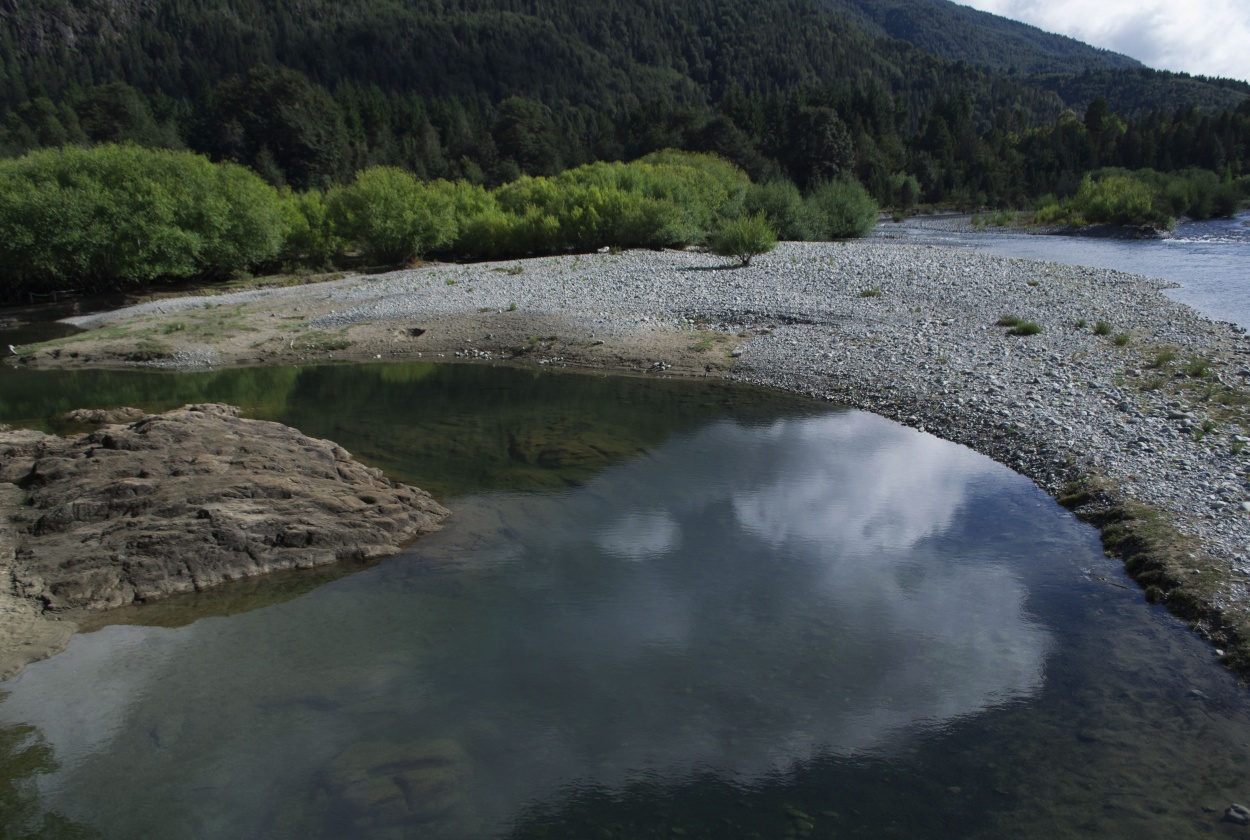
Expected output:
(743, 600)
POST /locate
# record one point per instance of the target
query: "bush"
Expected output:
(1118, 200)
(744, 238)
(842, 209)
(309, 239)
(782, 204)
(391, 216)
(111, 215)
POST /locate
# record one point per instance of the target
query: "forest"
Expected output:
(795, 92)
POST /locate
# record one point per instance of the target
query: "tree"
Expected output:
(743, 238)
(278, 122)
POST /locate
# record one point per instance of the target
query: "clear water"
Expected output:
(662, 609)
(1209, 260)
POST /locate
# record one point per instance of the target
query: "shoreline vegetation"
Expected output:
(1127, 407)
(113, 217)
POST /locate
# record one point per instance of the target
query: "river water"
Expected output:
(1210, 261)
(661, 609)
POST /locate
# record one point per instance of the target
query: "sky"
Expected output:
(1202, 37)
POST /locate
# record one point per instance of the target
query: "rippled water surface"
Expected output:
(661, 609)
(1209, 260)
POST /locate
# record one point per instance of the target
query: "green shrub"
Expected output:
(309, 238)
(782, 204)
(744, 238)
(1121, 339)
(842, 209)
(1025, 328)
(1102, 328)
(1117, 200)
(391, 216)
(1008, 321)
(110, 215)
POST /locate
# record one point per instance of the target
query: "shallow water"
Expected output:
(1209, 260)
(661, 609)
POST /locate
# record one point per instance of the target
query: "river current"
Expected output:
(1209, 261)
(661, 609)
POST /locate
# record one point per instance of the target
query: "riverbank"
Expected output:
(1142, 426)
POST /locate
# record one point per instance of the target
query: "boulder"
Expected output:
(186, 500)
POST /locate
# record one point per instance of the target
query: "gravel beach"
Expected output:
(1138, 423)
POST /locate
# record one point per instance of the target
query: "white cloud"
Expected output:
(1206, 37)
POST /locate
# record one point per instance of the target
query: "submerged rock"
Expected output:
(374, 785)
(186, 500)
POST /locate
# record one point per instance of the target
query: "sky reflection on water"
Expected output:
(739, 601)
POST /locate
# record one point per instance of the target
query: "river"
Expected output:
(661, 609)
(1209, 261)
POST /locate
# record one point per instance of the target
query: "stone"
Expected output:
(187, 500)
(1238, 814)
(376, 784)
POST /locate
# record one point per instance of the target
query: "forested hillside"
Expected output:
(307, 92)
(958, 33)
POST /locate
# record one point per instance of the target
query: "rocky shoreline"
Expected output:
(1127, 406)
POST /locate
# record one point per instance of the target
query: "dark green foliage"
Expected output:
(743, 238)
(1102, 328)
(1025, 328)
(842, 209)
(121, 214)
(276, 121)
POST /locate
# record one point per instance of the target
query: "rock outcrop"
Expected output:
(186, 500)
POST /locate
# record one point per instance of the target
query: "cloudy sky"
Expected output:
(1207, 37)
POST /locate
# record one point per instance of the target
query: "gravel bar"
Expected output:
(910, 332)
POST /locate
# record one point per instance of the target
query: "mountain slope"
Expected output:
(958, 33)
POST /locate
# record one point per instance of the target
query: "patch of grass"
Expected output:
(148, 350)
(1080, 323)
(1198, 368)
(449, 282)
(1121, 339)
(1031, 283)
(707, 341)
(322, 340)
(1163, 357)
(176, 326)
(875, 291)
(1009, 321)
(1236, 447)
(1025, 328)
(512, 306)
(514, 270)
(1102, 328)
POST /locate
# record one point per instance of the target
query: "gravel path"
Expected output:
(910, 333)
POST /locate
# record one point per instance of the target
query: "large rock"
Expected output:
(186, 500)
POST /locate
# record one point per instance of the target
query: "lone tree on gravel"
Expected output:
(743, 238)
